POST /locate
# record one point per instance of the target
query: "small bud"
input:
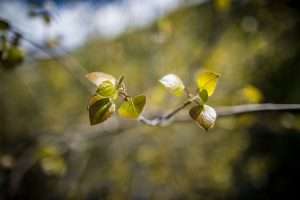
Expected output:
(204, 115)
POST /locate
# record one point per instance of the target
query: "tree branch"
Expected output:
(164, 120)
(75, 68)
(252, 108)
(221, 112)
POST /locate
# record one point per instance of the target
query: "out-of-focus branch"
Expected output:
(76, 70)
(222, 112)
(254, 108)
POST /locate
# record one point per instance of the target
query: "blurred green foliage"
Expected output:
(49, 151)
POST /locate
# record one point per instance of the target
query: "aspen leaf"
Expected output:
(133, 107)
(205, 116)
(107, 89)
(173, 83)
(195, 111)
(100, 110)
(98, 78)
(93, 99)
(207, 81)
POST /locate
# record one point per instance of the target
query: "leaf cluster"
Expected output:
(11, 54)
(203, 114)
(102, 104)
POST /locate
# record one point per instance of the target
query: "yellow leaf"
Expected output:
(207, 81)
(133, 107)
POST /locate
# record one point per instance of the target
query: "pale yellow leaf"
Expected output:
(173, 83)
(98, 78)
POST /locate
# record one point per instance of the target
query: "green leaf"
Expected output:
(93, 99)
(15, 55)
(207, 81)
(204, 95)
(173, 83)
(100, 109)
(204, 115)
(133, 107)
(98, 78)
(12, 57)
(107, 89)
(4, 25)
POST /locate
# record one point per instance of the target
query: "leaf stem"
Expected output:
(165, 119)
(120, 81)
(124, 95)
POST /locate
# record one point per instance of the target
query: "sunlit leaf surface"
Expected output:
(107, 89)
(173, 83)
(205, 116)
(98, 78)
(207, 81)
(101, 110)
(133, 107)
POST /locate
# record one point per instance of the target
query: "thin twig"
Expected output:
(222, 112)
(163, 120)
(176, 110)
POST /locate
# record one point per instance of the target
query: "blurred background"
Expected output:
(48, 150)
